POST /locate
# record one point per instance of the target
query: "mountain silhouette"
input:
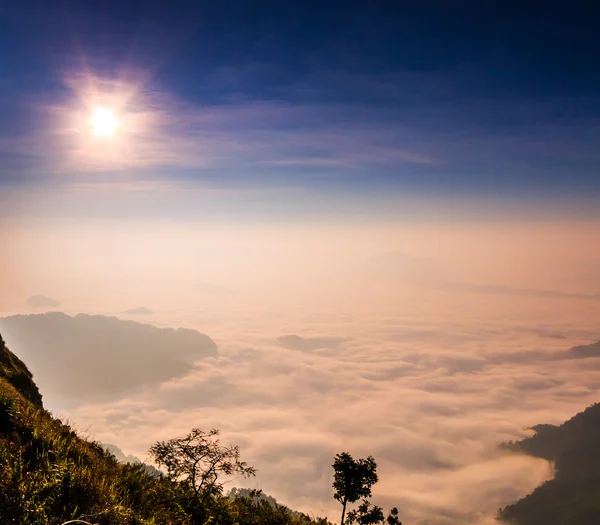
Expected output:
(573, 496)
(94, 356)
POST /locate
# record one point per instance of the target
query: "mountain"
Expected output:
(260, 496)
(111, 356)
(573, 496)
(132, 460)
(254, 494)
(51, 475)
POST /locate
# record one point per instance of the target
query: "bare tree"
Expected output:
(200, 461)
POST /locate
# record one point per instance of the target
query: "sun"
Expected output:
(104, 122)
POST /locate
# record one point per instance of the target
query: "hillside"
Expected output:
(49, 474)
(573, 496)
(14, 372)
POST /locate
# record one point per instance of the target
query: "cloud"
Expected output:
(541, 331)
(309, 344)
(210, 288)
(404, 267)
(42, 301)
(87, 357)
(589, 351)
(584, 351)
(142, 310)
(525, 292)
(537, 383)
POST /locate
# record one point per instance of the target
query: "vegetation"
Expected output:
(15, 373)
(352, 480)
(198, 461)
(393, 518)
(269, 511)
(573, 496)
(366, 514)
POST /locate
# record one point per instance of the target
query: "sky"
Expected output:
(384, 215)
(458, 101)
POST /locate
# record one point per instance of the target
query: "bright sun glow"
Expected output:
(104, 123)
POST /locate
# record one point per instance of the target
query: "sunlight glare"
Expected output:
(104, 123)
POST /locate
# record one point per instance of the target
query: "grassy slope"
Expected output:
(15, 373)
(48, 474)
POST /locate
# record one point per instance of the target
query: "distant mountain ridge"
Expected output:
(131, 460)
(110, 355)
(573, 496)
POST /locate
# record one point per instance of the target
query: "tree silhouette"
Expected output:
(392, 518)
(353, 479)
(199, 460)
(366, 514)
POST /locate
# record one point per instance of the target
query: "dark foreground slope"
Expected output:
(49, 475)
(573, 496)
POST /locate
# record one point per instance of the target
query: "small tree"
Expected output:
(200, 461)
(366, 514)
(353, 479)
(392, 518)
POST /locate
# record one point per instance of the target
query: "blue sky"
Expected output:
(438, 99)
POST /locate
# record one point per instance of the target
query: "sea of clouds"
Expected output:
(429, 396)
